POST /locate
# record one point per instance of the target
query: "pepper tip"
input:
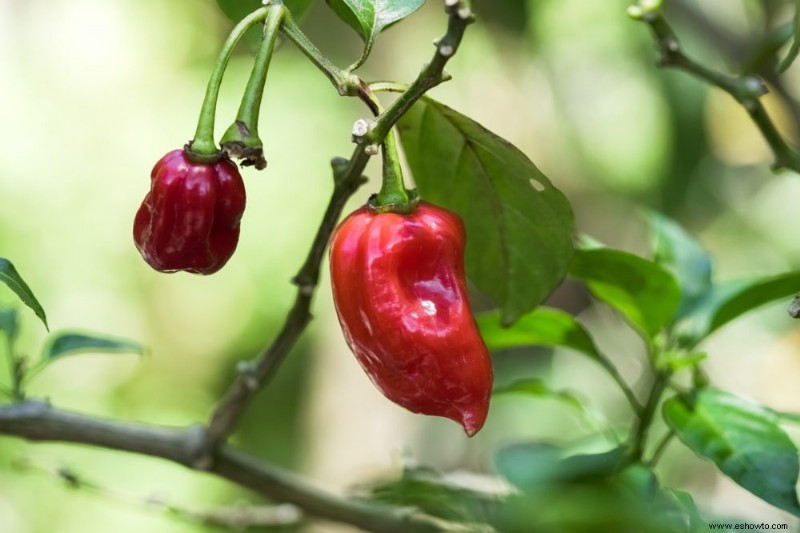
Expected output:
(472, 421)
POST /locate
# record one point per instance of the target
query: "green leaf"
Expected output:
(438, 494)
(744, 441)
(9, 323)
(728, 301)
(645, 294)
(370, 17)
(680, 253)
(685, 503)
(679, 359)
(236, 10)
(519, 227)
(67, 343)
(795, 48)
(530, 465)
(539, 389)
(640, 480)
(10, 276)
(587, 242)
(544, 326)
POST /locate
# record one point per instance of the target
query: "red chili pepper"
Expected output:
(401, 296)
(190, 218)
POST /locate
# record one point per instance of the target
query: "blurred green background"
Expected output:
(93, 92)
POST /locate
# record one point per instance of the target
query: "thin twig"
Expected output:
(661, 448)
(746, 55)
(347, 178)
(747, 90)
(432, 73)
(639, 436)
(609, 367)
(35, 420)
(346, 83)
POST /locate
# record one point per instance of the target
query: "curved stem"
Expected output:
(432, 73)
(393, 196)
(623, 385)
(12, 366)
(661, 448)
(15, 368)
(343, 81)
(388, 87)
(203, 147)
(34, 370)
(241, 138)
(646, 419)
(747, 90)
(346, 83)
(251, 102)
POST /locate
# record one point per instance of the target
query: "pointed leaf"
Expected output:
(587, 242)
(685, 502)
(10, 276)
(542, 327)
(519, 227)
(370, 17)
(680, 253)
(530, 465)
(67, 343)
(744, 441)
(645, 294)
(728, 301)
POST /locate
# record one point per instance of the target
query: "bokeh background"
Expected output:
(93, 92)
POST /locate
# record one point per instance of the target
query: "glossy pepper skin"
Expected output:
(401, 297)
(190, 218)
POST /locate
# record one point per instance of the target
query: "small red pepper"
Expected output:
(401, 296)
(190, 218)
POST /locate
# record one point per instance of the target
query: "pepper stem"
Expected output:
(393, 196)
(241, 139)
(202, 148)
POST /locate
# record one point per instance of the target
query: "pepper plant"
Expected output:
(483, 213)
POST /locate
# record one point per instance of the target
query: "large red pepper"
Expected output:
(401, 296)
(190, 218)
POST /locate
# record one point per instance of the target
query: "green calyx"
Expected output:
(404, 207)
(393, 196)
(204, 156)
(241, 140)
